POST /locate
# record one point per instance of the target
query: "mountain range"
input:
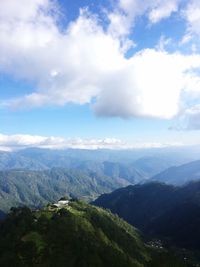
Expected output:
(34, 177)
(150, 162)
(35, 188)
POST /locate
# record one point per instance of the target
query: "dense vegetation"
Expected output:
(159, 210)
(79, 236)
(76, 235)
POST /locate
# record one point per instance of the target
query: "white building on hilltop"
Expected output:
(61, 203)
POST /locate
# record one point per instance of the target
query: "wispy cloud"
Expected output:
(125, 13)
(191, 14)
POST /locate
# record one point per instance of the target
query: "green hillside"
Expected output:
(74, 235)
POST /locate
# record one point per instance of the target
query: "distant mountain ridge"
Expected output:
(130, 165)
(180, 175)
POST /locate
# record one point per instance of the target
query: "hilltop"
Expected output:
(74, 234)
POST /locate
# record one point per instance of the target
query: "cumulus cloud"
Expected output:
(16, 142)
(150, 85)
(86, 63)
(66, 66)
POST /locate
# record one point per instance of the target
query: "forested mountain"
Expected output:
(35, 188)
(44, 175)
(180, 175)
(34, 176)
(75, 235)
(159, 210)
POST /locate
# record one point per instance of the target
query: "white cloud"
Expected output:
(122, 19)
(163, 43)
(163, 9)
(188, 120)
(192, 117)
(86, 63)
(78, 57)
(15, 142)
(150, 85)
(10, 142)
(20, 10)
(192, 16)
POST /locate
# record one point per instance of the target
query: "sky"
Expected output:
(99, 74)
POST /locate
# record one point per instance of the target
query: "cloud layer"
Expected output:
(86, 62)
(16, 142)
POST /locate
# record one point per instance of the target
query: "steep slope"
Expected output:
(140, 203)
(78, 235)
(34, 188)
(74, 235)
(180, 175)
(124, 172)
(160, 210)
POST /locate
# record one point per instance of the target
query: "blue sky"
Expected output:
(99, 74)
